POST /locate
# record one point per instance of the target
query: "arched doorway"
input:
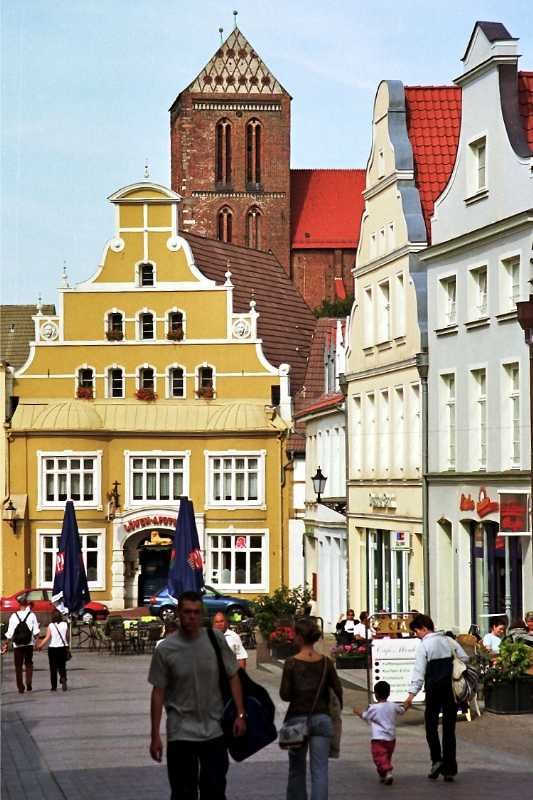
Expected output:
(146, 559)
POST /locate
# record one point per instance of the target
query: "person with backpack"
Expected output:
(58, 650)
(434, 667)
(22, 630)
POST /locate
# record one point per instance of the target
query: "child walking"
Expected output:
(382, 717)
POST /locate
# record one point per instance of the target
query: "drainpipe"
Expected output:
(343, 386)
(284, 467)
(422, 365)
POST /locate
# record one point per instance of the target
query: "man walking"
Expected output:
(22, 630)
(434, 666)
(185, 678)
(233, 640)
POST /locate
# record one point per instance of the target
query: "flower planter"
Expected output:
(114, 336)
(510, 697)
(175, 336)
(349, 661)
(283, 650)
(148, 395)
(84, 393)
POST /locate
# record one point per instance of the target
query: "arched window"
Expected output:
(115, 382)
(146, 378)
(85, 381)
(146, 326)
(115, 326)
(223, 152)
(253, 228)
(146, 274)
(225, 225)
(176, 382)
(205, 381)
(253, 152)
(175, 330)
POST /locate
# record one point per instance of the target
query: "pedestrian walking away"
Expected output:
(306, 682)
(382, 717)
(434, 667)
(22, 630)
(185, 677)
(57, 639)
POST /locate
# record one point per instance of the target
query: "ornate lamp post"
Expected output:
(319, 483)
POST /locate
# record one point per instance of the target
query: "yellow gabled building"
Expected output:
(167, 373)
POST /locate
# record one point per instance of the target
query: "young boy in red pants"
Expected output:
(382, 717)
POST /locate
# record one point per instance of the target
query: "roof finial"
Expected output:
(39, 304)
(227, 274)
(252, 301)
(221, 31)
(235, 19)
(146, 169)
(64, 277)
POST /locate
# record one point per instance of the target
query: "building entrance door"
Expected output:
(492, 564)
(154, 560)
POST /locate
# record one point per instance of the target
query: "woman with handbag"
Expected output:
(58, 650)
(306, 683)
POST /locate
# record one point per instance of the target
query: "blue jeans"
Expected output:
(320, 731)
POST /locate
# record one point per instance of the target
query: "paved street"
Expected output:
(91, 744)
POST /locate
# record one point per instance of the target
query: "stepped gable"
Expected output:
(326, 207)
(433, 127)
(285, 323)
(17, 331)
(236, 69)
(525, 100)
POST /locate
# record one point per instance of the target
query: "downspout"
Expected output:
(343, 386)
(284, 467)
(422, 364)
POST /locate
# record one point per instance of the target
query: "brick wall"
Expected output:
(314, 271)
(193, 168)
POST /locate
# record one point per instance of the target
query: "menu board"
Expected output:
(393, 661)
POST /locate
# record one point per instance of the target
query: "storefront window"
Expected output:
(491, 566)
(92, 548)
(388, 561)
(237, 560)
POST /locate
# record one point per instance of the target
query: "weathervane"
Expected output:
(221, 31)
(235, 19)
(64, 277)
(146, 170)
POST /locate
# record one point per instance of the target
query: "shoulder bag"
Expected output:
(294, 735)
(68, 654)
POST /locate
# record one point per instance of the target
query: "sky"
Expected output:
(86, 87)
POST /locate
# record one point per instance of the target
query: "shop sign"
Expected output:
(393, 661)
(382, 500)
(514, 514)
(400, 540)
(240, 543)
(156, 521)
(484, 505)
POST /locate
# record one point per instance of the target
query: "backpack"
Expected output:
(22, 635)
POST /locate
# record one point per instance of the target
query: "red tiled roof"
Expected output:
(525, 99)
(433, 126)
(286, 323)
(322, 404)
(326, 207)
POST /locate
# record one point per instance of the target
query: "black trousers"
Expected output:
(439, 698)
(23, 658)
(57, 659)
(193, 765)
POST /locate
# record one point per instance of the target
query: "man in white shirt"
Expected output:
(363, 630)
(233, 640)
(22, 630)
(493, 640)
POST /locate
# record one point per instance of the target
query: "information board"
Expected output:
(393, 661)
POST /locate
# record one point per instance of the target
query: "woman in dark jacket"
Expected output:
(301, 679)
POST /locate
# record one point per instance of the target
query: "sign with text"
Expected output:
(393, 661)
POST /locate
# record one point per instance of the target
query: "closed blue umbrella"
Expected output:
(71, 591)
(185, 573)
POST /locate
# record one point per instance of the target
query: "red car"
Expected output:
(41, 604)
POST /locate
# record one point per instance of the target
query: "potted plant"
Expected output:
(175, 335)
(507, 687)
(282, 642)
(84, 393)
(206, 392)
(350, 656)
(278, 610)
(147, 395)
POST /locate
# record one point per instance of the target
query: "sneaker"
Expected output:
(434, 772)
(388, 779)
(449, 778)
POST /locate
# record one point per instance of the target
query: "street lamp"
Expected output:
(319, 483)
(10, 515)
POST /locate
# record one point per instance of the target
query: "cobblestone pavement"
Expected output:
(90, 743)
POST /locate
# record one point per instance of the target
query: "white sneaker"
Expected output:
(388, 779)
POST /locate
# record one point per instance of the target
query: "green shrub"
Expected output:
(284, 602)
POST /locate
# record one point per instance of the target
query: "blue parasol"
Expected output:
(186, 566)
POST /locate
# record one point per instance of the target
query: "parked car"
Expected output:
(42, 606)
(164, 605)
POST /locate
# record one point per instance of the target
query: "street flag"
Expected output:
(71, 591)
(185, 573)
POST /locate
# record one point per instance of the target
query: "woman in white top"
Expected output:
(57, 640)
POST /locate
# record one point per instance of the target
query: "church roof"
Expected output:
(236, 68)
(433, 126)
(326, 207)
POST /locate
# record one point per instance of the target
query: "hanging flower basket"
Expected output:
(114, 336)
(206, 392)
(175, 336)
(148, 395)
(84, 393)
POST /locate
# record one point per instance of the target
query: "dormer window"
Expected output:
(146, 275)
(146, 326)
(206, 386)
(115, 327)
(478, 150)
(175, 326)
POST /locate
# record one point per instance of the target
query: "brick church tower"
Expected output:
(230, 151)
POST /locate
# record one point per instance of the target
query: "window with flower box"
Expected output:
(237, 559)
(69, 476)
(156, 477)
(115, 326)
(175, 330)
(93, 554)
(235, 478)
(85, 383)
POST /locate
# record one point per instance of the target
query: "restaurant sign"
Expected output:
(157, 521)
